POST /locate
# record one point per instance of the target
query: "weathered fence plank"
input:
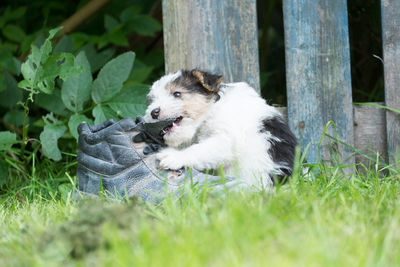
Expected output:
(369, 132)
(391, 54)
(318, 72)
(215, 35)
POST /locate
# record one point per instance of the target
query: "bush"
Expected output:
(88, 75)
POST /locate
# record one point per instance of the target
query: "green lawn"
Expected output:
(329, 221)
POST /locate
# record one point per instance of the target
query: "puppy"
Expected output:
(219, 124)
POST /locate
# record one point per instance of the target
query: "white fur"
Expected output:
(227, 134)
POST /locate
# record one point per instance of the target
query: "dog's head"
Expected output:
(184, 96)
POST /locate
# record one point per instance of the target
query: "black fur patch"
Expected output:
(282, 151)
(200, 82)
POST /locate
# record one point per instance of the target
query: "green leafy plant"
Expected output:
(40, 71)
(50, 83)
(117, 28)
(62, 84)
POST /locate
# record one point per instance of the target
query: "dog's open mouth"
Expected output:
(168, 129)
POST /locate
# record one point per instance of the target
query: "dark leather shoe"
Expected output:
(109, 161)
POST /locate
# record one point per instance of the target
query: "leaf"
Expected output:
(57, 65)
(154, 58)
(110, 22)
(32, 69)
(64, 45)
(24, 84)
(40, 38)
(74, 121)
(79, 39)
(103, 113)
(10, 15)
(143, 25)
(101, 41)
(8, 61)
(40, 69)
(53, 33)
(129, 12)
(25, 45)
(15, 14)
(15, 67)
(14, 117)
(12, 94)
(140, 72)
(97, 60)
(111, 77)
(14, 33)
(7, 139)
(3, 85)
(75, 90)
(49, 139)
(52, 103)
(117, 37)
(10, 46)
(4, 174)
(130, 102)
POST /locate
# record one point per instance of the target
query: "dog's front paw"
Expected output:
(171, 159)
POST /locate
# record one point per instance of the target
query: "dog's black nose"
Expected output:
(155, 113)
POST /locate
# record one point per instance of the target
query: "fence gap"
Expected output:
(366, 50)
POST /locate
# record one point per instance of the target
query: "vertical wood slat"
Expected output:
(391, 54)
(369, 133)
(215, 35)
(318, 72)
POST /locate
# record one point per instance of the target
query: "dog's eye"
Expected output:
(177, 94)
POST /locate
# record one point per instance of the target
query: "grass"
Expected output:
(323, 221)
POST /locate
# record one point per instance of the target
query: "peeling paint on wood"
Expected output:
(391, 55)
(215, 35)
(318, 72)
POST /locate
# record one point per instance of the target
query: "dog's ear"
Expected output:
(210, 82)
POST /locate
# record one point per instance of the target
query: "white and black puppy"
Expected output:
(219, 124)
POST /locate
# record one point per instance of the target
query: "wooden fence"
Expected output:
(221, 36)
